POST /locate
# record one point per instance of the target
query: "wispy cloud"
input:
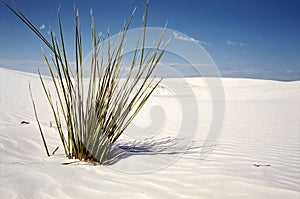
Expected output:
(226, 56)
(204, 43)
(23, 65)
(172, 64)
(180, 69)
(242, 72)
(233, 43)
(42, 26)
(190, 39)
(30, 66)
(282, 75)
(177, 36)
(230, 43)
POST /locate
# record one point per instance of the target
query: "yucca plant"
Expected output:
(91, 118)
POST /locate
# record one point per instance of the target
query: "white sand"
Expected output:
(262, 126)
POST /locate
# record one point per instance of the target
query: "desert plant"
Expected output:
(96, 115)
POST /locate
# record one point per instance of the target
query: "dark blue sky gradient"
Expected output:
(249, 38)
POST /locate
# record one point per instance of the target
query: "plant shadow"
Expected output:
(150, 146)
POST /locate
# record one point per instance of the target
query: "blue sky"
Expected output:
(245, 38)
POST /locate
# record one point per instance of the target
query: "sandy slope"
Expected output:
(261, 127)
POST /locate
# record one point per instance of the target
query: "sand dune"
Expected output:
(257, 155)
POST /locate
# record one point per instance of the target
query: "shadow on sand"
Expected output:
(150, 146)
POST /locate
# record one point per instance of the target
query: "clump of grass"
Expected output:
(95, 116)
